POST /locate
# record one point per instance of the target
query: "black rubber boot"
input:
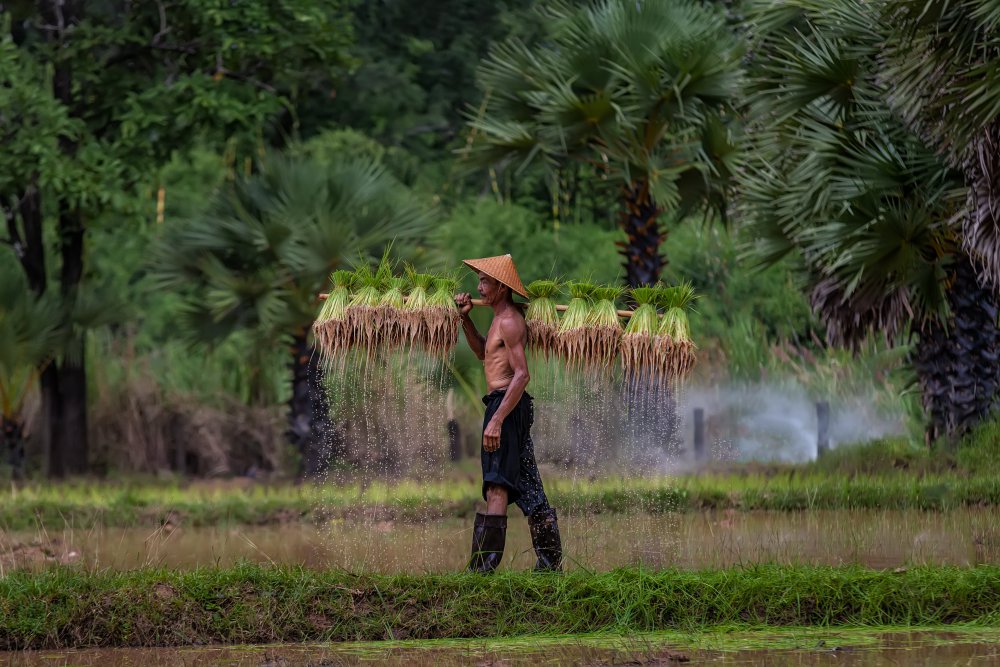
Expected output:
(488, 538)
(545, 539)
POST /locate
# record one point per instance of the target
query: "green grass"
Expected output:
(253, 604)
(82, 505)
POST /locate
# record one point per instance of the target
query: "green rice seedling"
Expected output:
(330, 328)
(415, 308)
(390, 313)
(605, 329)
(442, 317)
(675, 350)
(637, 342)
(571, 339)
(542, 318)
(361, 310)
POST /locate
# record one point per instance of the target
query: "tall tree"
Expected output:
(943, 59)
(836, 175)
(102, 93)
(259, 256)
(643, 92)
(416, 71)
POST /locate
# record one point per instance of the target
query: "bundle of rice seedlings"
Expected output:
(330, 328)
(414, 310)
(542, 318)
(605, 329)
(390, 313)
(360, 314)
(637, 342)
(571, 339)
(675, 349)
(442, 317)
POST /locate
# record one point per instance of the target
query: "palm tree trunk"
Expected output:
(12, 443)
(641, 249)
(957, 364)
(309, 425)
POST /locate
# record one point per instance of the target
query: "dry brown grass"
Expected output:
(138, 428)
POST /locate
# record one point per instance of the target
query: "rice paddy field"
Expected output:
(241, 502)
(735, 567)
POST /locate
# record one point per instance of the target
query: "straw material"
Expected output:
(501, 268)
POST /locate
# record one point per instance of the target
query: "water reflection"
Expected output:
(920, 649)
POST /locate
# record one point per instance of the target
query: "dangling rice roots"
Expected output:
(542, 317)
(572, 338)
(604, 329)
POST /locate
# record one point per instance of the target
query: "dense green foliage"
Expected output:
(254, 605)
(139, 136)
(96, 98)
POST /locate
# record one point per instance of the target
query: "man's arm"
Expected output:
(512, 330)
(476, 341)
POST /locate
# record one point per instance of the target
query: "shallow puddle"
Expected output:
(803, 647)
(880, 539)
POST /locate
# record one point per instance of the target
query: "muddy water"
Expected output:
(813, 649)
(598, 542)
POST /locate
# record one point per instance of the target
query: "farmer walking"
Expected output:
(510, 474)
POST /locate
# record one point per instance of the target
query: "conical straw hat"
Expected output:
(501, 268)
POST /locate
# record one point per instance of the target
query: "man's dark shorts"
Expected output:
(513, 465)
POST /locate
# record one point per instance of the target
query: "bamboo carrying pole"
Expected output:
(479, 302)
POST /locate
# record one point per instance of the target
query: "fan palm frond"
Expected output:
(943, 59)
(838, 178)
(257, 257)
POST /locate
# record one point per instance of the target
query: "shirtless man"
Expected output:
(510, 474)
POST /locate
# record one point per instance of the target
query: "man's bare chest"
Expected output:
(494, 342)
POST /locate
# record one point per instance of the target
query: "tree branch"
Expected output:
(12, 231)
(164, 28)
(239, 76)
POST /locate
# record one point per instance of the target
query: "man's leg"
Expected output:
(489, 535)
(542, 520)
(496, 499)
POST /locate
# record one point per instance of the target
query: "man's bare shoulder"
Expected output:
(512, 325)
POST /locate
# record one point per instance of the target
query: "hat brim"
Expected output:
(493, 274)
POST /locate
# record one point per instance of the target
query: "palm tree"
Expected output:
(943, 59)
(31, 334)
(256, 259)
(839, 178)
(640, 90)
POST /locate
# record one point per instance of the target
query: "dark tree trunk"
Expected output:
(72, 444)
(643, 266)
(68, 438)
(309, 425)
(641, 249)
(454, 440)
(454, 432)
(52, 422)
(30, 249)
(12, 443)
(957, 364)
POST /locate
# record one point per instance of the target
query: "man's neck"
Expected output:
(502, 307)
